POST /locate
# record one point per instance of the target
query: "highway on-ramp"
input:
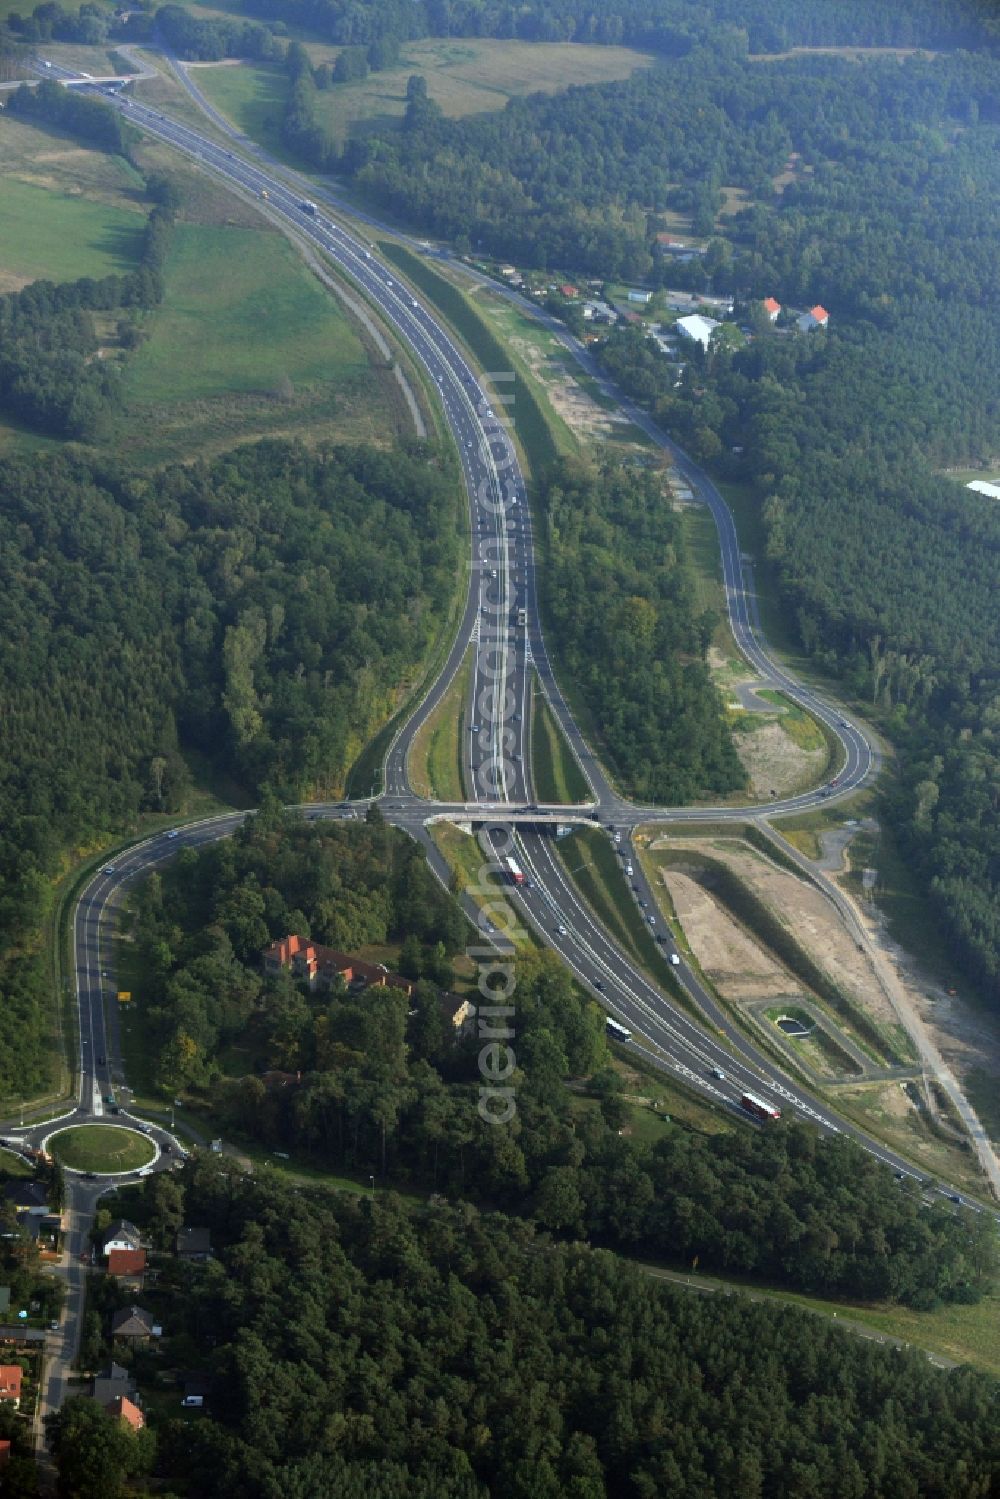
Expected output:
(500, 622)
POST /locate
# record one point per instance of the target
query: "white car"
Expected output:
(675, 960)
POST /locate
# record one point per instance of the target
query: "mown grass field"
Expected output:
(101, 1147)
(246, 343)
(66, 211)
(252, 96)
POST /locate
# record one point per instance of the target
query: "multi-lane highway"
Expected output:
(500, 621)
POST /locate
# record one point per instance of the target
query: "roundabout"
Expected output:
(103, 1149)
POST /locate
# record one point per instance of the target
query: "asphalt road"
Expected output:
(502, 583)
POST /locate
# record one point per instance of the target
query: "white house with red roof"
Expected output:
(816, 317)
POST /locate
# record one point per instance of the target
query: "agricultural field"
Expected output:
(67, 211)
(247, 343)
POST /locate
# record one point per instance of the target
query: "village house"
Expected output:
(129, 1266)
(112, 1383)
(323, 967)
(122, 1407)
(816, 317)
(132, 1325)
(29, 1197)
(458, 1012)
(697, 328)
(772, 308)
(122, 1235)
(10, 1386)
(194, 1243)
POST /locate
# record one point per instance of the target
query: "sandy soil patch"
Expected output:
(579, 411)
(811, 919)
(738, 966)
(773, 761)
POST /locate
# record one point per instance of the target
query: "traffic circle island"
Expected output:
(103, 1149)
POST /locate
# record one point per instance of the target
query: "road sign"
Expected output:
(124, 995)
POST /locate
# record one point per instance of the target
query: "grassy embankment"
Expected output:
(557, 776)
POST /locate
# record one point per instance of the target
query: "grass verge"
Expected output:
(465, 859)
(435, 764)
(589, 860)
(555, 773)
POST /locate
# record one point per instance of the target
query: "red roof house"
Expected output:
(10, 1384)
(569, 291)
(123, 1408)
(771, 307)
(819, 315)
(127, 1262)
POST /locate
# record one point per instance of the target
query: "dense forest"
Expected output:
(263, 610)
(624, 628)
(354, 1346)
(669, 26)
(382, 1084)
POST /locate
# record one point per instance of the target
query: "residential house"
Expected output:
(697, 328)
(129, 1265)
(122, 1407)
(569, 291)
(132, 1325)
(194, 1243)
(27, 1197)
(772, 308)
(322, 967)
(508, 271)
(458, 1012)
(816, 317)
(111, 1383)
(10, 1386)
(25, 1337)
(122, 1235)
(640, 298)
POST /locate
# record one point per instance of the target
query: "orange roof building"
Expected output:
(819, 314)
(321, 967)
(123, 1408)
(771, 307)
(126, 1262)
(10, 1384)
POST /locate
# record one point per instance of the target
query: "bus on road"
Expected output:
(758, 1107)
